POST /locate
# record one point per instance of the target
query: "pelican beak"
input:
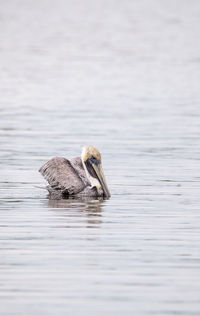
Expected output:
(100, 175)
(95, 169)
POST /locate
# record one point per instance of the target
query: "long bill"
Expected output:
(100, 175)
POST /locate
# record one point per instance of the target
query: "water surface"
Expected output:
(123, 76)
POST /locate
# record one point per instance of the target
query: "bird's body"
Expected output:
(81, 176)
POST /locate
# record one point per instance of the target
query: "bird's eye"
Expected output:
(94, 160)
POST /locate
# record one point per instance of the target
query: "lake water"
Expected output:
(123, 76)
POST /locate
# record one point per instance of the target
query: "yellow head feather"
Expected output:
(89, 152)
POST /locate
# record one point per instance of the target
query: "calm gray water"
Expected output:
(123, 76)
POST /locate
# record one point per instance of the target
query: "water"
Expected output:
(123, 76)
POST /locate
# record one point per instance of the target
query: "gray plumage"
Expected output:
(66, 178)
(76, 177)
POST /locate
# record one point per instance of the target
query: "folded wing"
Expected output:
(61, 175)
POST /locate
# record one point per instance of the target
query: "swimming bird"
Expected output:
(80, 176)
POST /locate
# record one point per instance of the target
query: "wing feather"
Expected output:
(61, 175)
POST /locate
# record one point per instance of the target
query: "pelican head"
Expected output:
(91, 159)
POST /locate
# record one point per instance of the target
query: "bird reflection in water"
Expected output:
(89, 207)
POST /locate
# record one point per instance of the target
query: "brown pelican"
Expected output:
(80, 176)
